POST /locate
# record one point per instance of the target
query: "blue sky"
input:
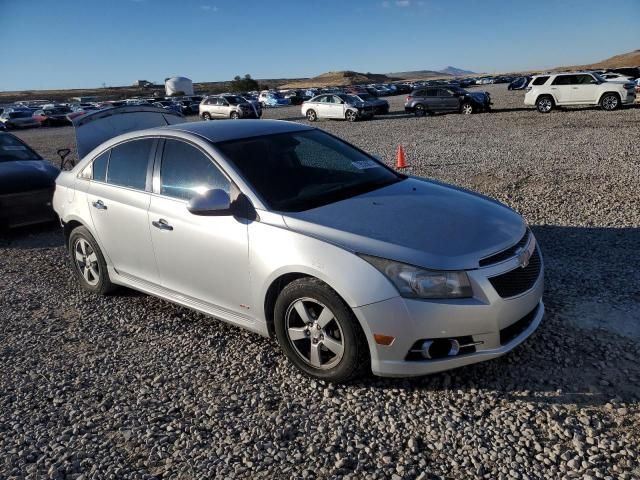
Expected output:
(85, 43)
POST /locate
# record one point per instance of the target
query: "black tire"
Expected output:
(545, 103)
(311, 115)
(351, 115)
(355, 357)
(610, 102)
(466, 108)
(206, 116)
(419, 110)
(103, 284)
(234, 116)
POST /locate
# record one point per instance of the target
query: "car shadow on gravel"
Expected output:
(586, 350)
(45, 235)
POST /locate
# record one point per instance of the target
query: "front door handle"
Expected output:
(99, 205)
(162, 224)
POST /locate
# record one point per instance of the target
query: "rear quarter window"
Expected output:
(540, 80)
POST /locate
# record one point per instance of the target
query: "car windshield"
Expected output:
(598, 77)
(12, 149)
(298, 171)
(234, 100)
(20, 114)
(366, 97)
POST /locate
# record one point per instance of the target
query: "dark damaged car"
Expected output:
(442, 99)
(27, 182)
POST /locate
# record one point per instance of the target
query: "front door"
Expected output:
(204, 258)
(449, 102)
(118, 202)
(585, 89)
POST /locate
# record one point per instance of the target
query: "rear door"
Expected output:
(118, 201)
(562, 88)
(432, 100)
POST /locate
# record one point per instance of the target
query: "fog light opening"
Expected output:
(440, 348)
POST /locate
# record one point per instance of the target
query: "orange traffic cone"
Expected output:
(400, 160)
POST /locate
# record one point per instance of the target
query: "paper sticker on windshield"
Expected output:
(364, 164)
(14, 147)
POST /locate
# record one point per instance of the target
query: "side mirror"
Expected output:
(213, 203)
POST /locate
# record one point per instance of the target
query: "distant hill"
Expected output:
(457, 72)
(340, 79)
(629, 59)
(419, 74)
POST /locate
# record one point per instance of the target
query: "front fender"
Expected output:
(275, 251)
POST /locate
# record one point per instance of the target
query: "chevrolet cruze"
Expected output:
(292, 233)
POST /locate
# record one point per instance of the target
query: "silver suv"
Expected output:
(228, 106)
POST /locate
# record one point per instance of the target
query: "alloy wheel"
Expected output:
(467, 109)
(311, 116)
(86, 261)
(351, 116)
(314, 333)
(544, 105)
(610, 102)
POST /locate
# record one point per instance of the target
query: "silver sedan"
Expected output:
(292, 233)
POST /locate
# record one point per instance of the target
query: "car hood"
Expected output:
(25, 175)
(416, 221)
(479, 96)
(97, 127)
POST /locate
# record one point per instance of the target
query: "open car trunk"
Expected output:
(97, 127)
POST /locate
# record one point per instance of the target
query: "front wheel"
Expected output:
(312, 116)
(234, 115)
(466, 109)
(318, 332)
(351, 115)
(610, 101)
(88, 263)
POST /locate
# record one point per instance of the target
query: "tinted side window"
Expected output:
(585, 79)
(99, 166)
(128, 164)
(186, 171)
(540, 80)
(564, 80)
(432, 92)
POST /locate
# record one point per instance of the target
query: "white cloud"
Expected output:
(209, 8)
(403, 3)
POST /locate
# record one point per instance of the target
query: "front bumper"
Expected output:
(494, 324)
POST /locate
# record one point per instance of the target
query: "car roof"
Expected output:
(223, 130)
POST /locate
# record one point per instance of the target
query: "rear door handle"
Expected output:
(99, 205)
(162, 224)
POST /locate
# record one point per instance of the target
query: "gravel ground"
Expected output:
(130, 386)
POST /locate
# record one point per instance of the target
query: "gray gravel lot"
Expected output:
(130, 386)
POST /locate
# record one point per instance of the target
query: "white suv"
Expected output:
(580, 88)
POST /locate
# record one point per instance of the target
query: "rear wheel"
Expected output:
(312, 116)
(206, 116)
(466, 108)
(351, 115)
(88, 263)
(544, 104)
(419, 111)
(610, 101)
(318, 332)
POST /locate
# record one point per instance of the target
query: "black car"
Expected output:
(27, 182)
(519, 83)
(449, 98)
(381, 107)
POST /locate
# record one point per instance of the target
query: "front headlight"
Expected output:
(415, 282)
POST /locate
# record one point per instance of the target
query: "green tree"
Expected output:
(246, 84)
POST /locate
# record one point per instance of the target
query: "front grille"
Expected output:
(505, 254)
(512, 331)
(519, 280)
